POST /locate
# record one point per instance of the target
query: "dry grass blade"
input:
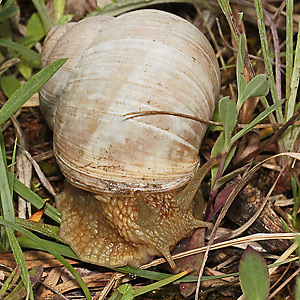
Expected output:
(54, 291)
(277, 51)
(283, 257)
(92, 281)
(231, 243)
(24, 169)
(132, 115)
(116, 276)
(45, 182)
(33, 259)
(271, 140)
(228, 203)
(285, 283)
(50, 281)
(145, 113)
(244, 227)
(230, 47)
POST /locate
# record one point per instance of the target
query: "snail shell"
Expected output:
(142, 60)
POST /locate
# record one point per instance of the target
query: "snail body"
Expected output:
(125, 201)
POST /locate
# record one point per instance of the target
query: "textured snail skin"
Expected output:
(132, 181)
(118, 231)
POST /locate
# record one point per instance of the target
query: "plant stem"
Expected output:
(289, 45)
(265, 49)
(44, 14)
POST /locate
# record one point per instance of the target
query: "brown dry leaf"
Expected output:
(194, 261)
(24, 169)
(45, 182)
(250, 14)
(33, 101)
(79, 8)
(92, 281)
(36, 217)
(51, 280)
(33, 259)
(249, 105)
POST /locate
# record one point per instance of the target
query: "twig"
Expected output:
(132, 115)
(24, 169)
(245, 226)
(235, 50)
(271, 140)
(234, 242)
(277, 51)
(45, 182)
(109, 286)
(53, 290)
(215, 44)
(285, 283)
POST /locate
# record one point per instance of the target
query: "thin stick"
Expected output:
(145, 113)
(285, 283)
(132, 115)
(234, 242)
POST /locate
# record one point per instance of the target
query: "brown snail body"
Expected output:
(127, 201)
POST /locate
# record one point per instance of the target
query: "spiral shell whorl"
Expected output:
(143, 60)
(62, 42)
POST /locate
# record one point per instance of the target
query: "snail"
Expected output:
(130, 182)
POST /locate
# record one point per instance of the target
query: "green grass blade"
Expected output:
(241, 81)
(64, 250)
(290, 136)
(8, 12)
(289, 45)
(50, 231)
(36, 200)
(225, 6)
(291, 102)
(266, 53)
(11, 186)
(5, 195)
(156, 275)
(256, 121)
(2, 149)
(9, 216)
(24, 92)
(8, 3)
(124, 292)
(44, 14)
(297, 292)
(49, 249)
(59, 8)
(4, 240)
(34, 56)
(11, 280)
(19, 258)
(156, 285)
(119, 7)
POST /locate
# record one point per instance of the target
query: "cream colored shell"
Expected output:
(142, 60)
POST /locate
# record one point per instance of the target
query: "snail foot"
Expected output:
(127, 230)
(91, 236)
